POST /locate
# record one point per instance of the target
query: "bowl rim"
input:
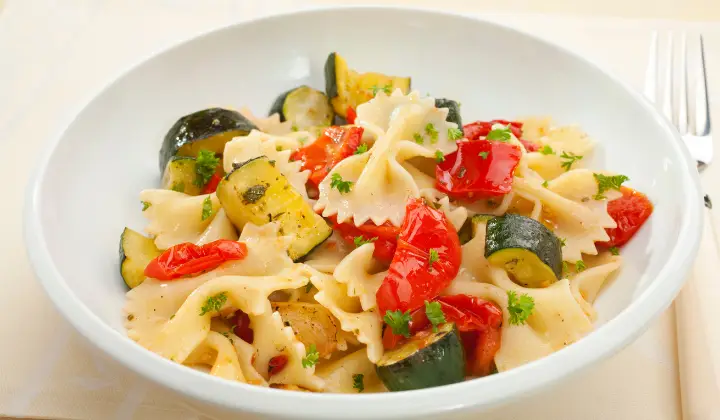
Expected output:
(603, 342)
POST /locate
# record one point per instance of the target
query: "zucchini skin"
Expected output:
(256, 192)
(135, 252)
(453, 110)
(513, 231)
(202, 125)
(331, 87)
(441, 362)
(321, 114)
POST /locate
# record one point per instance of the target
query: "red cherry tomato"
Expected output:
(413, 278)
(385, 236)
(629, 212)
(478, 169)
(334, 145)
(186, 259)
(240, 325)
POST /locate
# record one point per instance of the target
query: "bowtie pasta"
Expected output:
(364, 239)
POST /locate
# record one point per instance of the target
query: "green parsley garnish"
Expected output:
(580, 266)
(562, 241)
(358, 382)
(294, 128)
(361, 149)
(606, 183)
(432, 132)
(303, 139)
(418, 138)
(360, 241)
(399, 322)
(387, 89)
(205, 166)
(569, 159)
(545, 184)
(483, 155)
(272, 163)
(207, 208)
(311, 358)
(439, 156)
(337, 182)
(179, 187)
(433, 257)
(455, 133)
(146, 205)
(434, 314)
(614, 250)
(499, 134)
(213, 303)
(547, 150)
(520, 307)
(565, 267)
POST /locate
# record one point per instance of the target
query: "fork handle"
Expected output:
(698, 322)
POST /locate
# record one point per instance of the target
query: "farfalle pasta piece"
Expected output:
(326, 257)
(365, 325)
(455, 214)
(220, 228)
(406, 127)
(586, 285)
(355, 272)
(270, 125)
(277, 149)
(175, 217)
(217, 352)
(339, 374)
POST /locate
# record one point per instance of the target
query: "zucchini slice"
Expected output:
(528, 250)
(136, 251)
(305, 107)
(207, 129)
(428, 359)
(453, 108)
(256, 192)
(348, 88)
(180, 175)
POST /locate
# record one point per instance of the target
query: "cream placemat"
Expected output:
(46, 370)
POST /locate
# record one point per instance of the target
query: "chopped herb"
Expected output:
(294, 127)
(545, 184)
(179, 187)
(278, 148)
(520, 307)
(461, 172)
(207, 208)
(308, 287)
(569, 159)
(580, 266)
(387, 89)
(358, 382)
(418, 138)
(565, 267)
(439, 156)
(172, 316)
(562, 241)
(213, 303)
(254, 193)
(606, 183)
(614, 250)
(455, 133)
(361, 149)
(432, 132)
(303, 139)
(483, 155)
(399, 322)
(337, 182)
(146, 205)
(433, 257)
(272, 163)
(360, 241)
(499, 134)
(311, 358)
(547, 150)
(205, 166)
(434, 314)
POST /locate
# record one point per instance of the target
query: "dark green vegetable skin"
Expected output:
(516, 231)
(440, 362)
(198, 126)
(330, 81)
(453, 110)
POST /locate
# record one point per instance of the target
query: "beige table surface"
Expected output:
(54, 55)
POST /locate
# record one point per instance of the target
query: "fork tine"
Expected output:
(651, 73)
(682, 113)
(702, 107)
(667, 103)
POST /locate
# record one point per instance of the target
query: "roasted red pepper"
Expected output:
(384, 237)
(427, 259)
(478, 321)
(478, 169)
(479, 129)
(212, 184)
(334, 145)
(240, 326)
(277, 364)
(351, 115)
(186, 259)
(629, 212)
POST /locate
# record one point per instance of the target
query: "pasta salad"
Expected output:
(365, 239)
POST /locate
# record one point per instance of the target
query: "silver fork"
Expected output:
(694, 127)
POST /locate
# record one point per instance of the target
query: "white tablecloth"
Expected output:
(56, 55)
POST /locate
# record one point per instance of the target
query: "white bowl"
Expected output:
(86, 187)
